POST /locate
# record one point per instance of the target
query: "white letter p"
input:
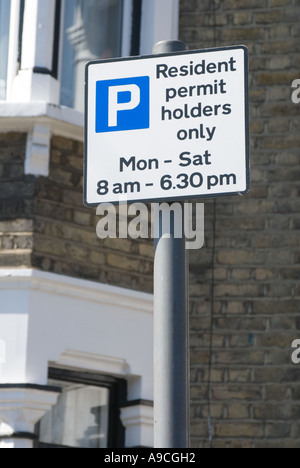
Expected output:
(115, 106)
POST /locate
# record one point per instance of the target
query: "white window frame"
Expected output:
(39, 17)
(9, 51)
(26, 85)
(13, 46)
(159, 21)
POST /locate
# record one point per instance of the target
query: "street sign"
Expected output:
(167, 127)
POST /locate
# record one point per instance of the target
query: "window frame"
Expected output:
(8, 53)
(117, 398)
(127, 8)
(54, 68)
(34, 81)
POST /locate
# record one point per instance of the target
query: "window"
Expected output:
(44, 45)
(86, 414)
(92, 29)
(4, 39)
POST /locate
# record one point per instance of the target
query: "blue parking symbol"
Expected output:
(123, 104)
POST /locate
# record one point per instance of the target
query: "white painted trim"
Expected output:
(34, 87)
(59, 321)
(37, 51)
(40, 120)
(16, 444)
(2, 356)
(76, 288)
(159, 22)
(138, 421)
(21, 409)
(38, 151)
(2, 352)
(95, 362)
(13, 45)
(22, 117)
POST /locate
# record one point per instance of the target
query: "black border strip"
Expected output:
(136, 27)
(19, 435)
(41, 388)
(181, 198)
(56, 38)
(42, 71)
(21, 25)
(139, 402)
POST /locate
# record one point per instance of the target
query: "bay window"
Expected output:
(45, 44)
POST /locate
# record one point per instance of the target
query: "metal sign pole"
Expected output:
(171, 350)
(155, 130)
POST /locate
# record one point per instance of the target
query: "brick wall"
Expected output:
(16, 203)
(65, 240)
(43, 223)
(245, 281)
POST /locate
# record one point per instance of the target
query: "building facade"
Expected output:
(76, 317)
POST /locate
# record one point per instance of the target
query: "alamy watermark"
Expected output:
(296, 354)
(296, 92)
(151, 221)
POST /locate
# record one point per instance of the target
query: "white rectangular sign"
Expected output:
(167, 127)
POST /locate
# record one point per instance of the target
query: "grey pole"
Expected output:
(171, 350)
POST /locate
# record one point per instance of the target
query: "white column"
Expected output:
(38, 151)
(137, 418)
(34, 81)
(2, 355)
(21, 407)
(159, 23)
(13, 45)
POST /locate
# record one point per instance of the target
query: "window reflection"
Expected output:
(92, 30)
(80, 417)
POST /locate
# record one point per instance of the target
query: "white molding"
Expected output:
(38, 151)
(10, 444)
(138, 421)
(32, 402)
(76, 288)
(34, 87)
(2, 352)
(20, 410)
(95, 362)
(2, 355)
(97, 326)
(40, 120)
(22, 117)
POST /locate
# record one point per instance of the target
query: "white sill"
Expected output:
(22, 117)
